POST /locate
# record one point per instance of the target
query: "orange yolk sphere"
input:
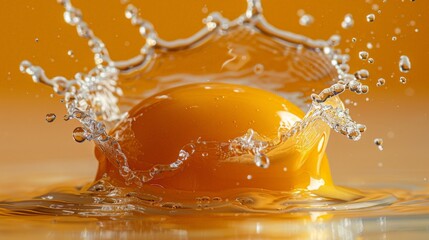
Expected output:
(155, 131)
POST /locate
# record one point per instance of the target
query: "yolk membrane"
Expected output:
(155, 131)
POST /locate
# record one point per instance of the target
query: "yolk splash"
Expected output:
(208, 115)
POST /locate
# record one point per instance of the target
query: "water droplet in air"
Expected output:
(70, 53)
(258, 69)
(379, 143)
(306, 20)
(79, 134)
(397, 31)
(262, 160)
(404, 64)
(403, 80)
(348, 21)
(370, 17)
(381, 82)
(50, 117)
(369, 45)
(363, 55)
(362, 74)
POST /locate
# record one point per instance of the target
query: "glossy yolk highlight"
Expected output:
(158, 127)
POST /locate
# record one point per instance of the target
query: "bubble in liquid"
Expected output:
(354, 40)
(403, 80)
(404, 64)
(370, 17)
(379, 143)
(380, 82)
(371, 60)
(79, 134)
(50, 117)
(306, 20)
(394, 38)
(36, 40)
(363, 55)
(348, 21)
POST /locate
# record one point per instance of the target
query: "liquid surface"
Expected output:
(60, 196)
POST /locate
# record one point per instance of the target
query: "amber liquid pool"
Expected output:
(83, 209)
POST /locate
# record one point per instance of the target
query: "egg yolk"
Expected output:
(158, 128)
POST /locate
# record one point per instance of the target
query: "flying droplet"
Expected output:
(306, 20)
(363, 55)
(370, 17)
(348, 21)
(262, 160)
(258, 69)
(50, 117)
(79, 134)
(369, 45)
(362, 74)
(379, 143)
(70, 53)
(381, 82)
(404, 64)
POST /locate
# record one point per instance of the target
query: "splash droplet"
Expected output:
(262, 160)
(362, 74)
(50, 117)
(306, 20)
(404, 64)
(379, 143)
(79, 134)
(348, 21)
(363, 55)
(258, 69)
(70, 53)
(380, 82)
(370, 17)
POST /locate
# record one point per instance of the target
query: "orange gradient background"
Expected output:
(38, 152)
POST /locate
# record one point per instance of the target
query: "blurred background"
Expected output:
(34, 152)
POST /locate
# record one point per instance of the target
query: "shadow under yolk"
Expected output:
(159, 127)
